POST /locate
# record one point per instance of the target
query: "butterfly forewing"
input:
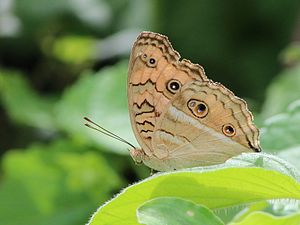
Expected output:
(155, 76)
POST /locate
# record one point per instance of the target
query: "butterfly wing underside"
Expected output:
(204, 124)
(155, 72)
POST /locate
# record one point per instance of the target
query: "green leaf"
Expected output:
(257, 206)
(216, 188)
(267, 219)
(56, 184)
(265, 161)
(283, 91)
(292, 155)
(282, 131)
(262, 160)
(278, 207)
(101, 97)
(175, 211)
(23, 104)
(291, 54)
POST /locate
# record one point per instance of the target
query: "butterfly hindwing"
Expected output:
(204, 124)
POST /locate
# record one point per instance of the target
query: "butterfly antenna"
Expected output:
(91, 124)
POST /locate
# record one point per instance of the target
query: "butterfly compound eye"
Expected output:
(173, 86)
(228, 130)
(198, 108)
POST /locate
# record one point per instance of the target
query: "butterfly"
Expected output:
(181, 118)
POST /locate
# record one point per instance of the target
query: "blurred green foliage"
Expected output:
(238, 42)
(63, 60)
(285, 124)
(281, 92)
(105, 90)
(23, 104)
(54, 184)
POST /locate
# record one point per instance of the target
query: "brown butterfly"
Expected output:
(180, 118)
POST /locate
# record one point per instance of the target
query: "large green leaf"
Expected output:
(267, 219)
(175, 211)
(102, 97)
(56, 184)
(262, 160)
(214, 188)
